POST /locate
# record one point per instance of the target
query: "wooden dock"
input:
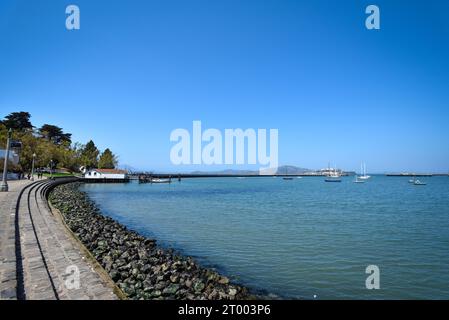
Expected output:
(180, 176)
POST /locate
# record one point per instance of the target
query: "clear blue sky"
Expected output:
(139, 69)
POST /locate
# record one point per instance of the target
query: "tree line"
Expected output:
(51, 143)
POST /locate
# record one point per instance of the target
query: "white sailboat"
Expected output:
(357, 180)
(364, 176)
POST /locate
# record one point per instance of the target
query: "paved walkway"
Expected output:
(8, 276)
(52, 265)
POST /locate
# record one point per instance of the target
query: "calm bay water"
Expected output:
(299, 238)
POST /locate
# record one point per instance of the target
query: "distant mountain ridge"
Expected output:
(287, 169)
(291, 170)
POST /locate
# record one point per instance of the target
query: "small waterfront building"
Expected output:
(329, 171)
(115, 174)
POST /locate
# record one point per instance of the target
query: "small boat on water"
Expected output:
(157, 180)
(358, 180)
(150, 179)
(363, 176)
(286, 173)
(332, 179)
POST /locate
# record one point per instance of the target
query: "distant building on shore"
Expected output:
(106, 174)
(328, 171)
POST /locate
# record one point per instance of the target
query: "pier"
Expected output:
(413, 175)
(146, 177)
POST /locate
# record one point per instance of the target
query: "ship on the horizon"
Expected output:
(333, 175)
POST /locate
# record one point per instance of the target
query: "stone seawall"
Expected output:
(135, 263)
(39, 258)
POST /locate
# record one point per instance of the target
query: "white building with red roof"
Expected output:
(105, 174)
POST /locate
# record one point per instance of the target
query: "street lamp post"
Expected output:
(32, 167)
(51, 169)
(4, 184)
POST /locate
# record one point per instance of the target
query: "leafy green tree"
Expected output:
(55, 134)
(29, 146)
(89, 155)
(72, 157)
(18, 121)
(3, 135)
(50, 143)
(107, 160)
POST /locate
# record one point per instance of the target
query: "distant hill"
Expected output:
(280, 170)
(291, 170)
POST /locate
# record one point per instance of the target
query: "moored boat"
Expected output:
(332, 179)
(157, 180)
(358, 180)
(363, 176)
(333, 176)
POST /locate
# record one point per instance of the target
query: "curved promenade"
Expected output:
(39, 258)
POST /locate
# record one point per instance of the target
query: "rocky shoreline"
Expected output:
(140, 268)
